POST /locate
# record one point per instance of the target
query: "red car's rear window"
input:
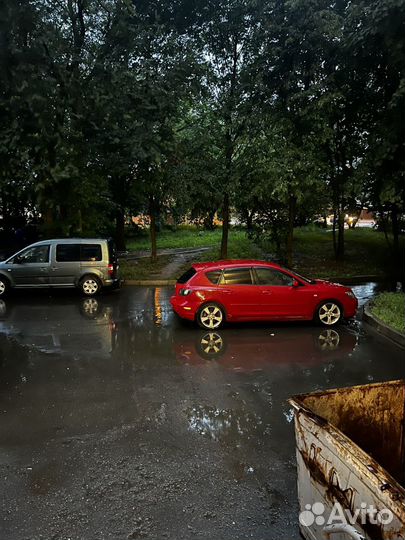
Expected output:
(188, 274)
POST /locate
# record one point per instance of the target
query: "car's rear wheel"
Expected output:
(211, 345)
(211, 316)
(3, 287)
(329, 313)
(90, 285)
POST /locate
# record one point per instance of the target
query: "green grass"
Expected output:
(182, 237)
(143, 268)
(390, 308)
(366, 251)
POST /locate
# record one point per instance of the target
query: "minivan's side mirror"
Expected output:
(295, 283)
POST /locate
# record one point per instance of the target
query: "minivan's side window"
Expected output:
(236, 276)
(91, 252)
(68, 252)
(38, 254)
(78, 252)
(270, 277)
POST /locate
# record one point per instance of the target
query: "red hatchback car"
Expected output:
(214, 292)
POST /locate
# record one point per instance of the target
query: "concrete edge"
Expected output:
(150, 282)
(382, 327)
(168, 282)
(358, 280)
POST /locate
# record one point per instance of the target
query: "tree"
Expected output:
(228, 30)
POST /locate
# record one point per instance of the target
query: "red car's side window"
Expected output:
(272, 277)
(214, 276)
(236, 276)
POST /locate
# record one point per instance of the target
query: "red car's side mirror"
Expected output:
(295, 283)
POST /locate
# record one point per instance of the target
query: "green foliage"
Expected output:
(390, 308)
(280, 111)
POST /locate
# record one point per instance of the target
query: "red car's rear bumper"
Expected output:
(184, 307)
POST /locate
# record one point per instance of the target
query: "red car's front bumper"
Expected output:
(350, 307)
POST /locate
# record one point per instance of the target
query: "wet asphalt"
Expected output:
(119, 421)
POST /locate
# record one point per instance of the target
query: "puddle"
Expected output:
(232, 425)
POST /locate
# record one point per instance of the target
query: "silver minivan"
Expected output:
(86, 263)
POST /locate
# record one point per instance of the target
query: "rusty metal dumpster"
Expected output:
(351, 462)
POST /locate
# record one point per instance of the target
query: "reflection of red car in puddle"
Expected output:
(258, 349)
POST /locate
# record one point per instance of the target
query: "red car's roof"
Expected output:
(231, 263)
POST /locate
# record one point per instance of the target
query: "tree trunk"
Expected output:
(335, 214)
(120, 230)
(395, 233)
(249, 220)
(209, 220)
(340, 248)
(153, 230)
(290, 233)
(225, 227)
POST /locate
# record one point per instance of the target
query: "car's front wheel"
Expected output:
(211, 316)
(329, 313)
(3, 287)
(90, 285)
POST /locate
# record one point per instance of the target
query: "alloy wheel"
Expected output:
(329, 313)
(211, 316)
(90, 306)
(90, 286)
(328, 340)
(211, 343)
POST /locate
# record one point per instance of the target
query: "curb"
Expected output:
(150, 282)
(358, 280)
(382, 328)
(165, 282)
(169, 282)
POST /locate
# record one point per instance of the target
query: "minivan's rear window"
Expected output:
(112, 253)
(188, 274)
(78, 252)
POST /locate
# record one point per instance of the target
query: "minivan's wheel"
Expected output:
(90, 308)
(3, 287)
(211, 316)
(90, 285)
(329, 313)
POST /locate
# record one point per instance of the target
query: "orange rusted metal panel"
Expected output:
(351, 456)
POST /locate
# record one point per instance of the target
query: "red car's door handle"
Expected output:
(266, 292)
